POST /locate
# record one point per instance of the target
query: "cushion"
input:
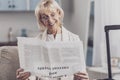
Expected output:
(9, 62)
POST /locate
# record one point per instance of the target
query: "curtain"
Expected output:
(107, 12)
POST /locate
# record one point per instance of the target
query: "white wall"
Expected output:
(76, 19)
(16, 20)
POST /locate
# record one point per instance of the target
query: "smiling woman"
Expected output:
(46, 12)
(50, 16)
(51, 21)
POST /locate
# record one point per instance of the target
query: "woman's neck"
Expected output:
(54, 31)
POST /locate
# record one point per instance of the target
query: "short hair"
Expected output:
(49, 5)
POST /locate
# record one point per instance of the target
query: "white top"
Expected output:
(50, 37)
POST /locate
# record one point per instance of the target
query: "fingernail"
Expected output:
(18, 76)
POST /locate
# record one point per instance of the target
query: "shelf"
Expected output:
(20, 5)
(8, 43)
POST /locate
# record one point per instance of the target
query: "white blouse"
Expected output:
(50, 37)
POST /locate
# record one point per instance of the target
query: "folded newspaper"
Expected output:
(50, 59)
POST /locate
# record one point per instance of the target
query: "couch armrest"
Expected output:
(9, 62)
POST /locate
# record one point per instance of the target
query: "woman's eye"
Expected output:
(44, 17)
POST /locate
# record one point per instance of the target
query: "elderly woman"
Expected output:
(49, 16)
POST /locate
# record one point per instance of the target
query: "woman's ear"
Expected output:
(59, 13)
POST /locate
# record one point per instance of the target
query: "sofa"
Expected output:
(9, 62)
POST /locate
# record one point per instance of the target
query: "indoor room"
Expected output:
(67, 39)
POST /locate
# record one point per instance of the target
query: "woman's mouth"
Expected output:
(51, 24)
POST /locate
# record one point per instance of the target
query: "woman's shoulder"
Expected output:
(74, 36)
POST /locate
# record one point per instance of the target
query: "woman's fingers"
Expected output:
(23, 75)
(19, 70)
(81, 76)
(81, 73)
(26, 76)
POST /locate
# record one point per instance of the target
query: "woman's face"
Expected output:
(50, 19)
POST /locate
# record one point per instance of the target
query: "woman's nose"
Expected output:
(50, 21)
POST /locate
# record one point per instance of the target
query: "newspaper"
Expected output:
(50, 59)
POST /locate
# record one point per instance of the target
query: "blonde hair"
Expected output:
(47, 5)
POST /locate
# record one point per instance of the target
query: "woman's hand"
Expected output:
(21, 75)
(81, 76)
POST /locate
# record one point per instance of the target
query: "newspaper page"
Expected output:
(50, 59)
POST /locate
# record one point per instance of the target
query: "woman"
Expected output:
(49, 16)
